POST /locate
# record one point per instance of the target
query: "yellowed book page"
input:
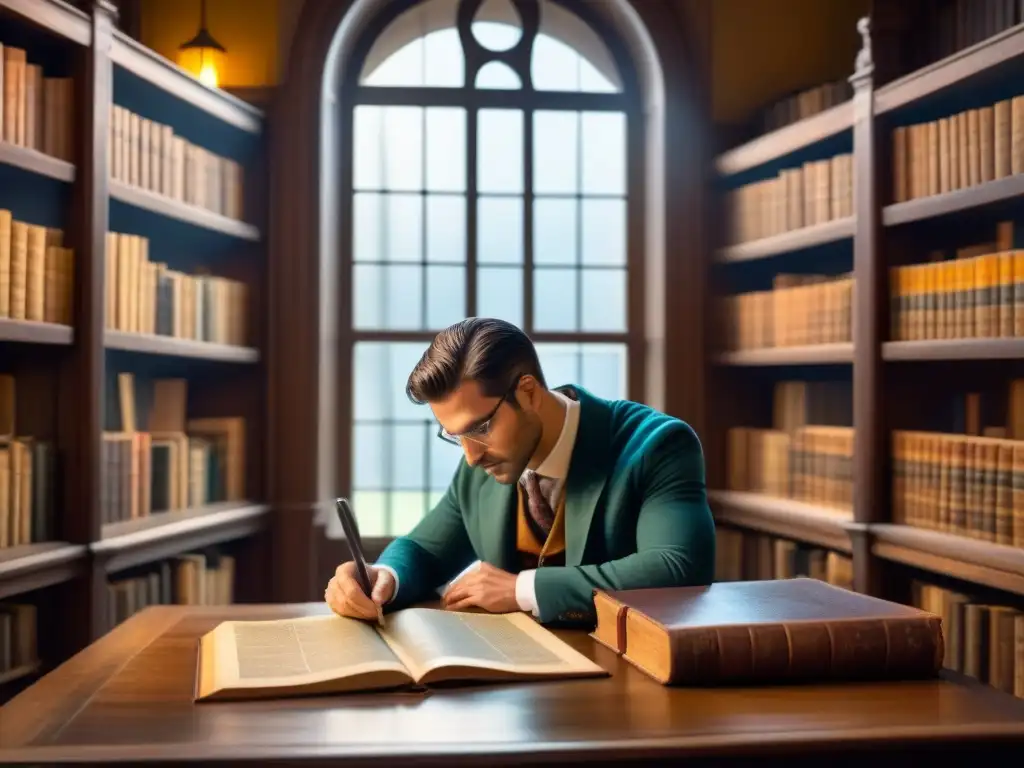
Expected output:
(296, 652)
(428, 639)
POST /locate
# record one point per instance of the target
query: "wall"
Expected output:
(246, 28)
(760, 48)
(763, 48)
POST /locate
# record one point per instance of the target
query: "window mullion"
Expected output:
(472, 115)
(579, 242)
(528, 220)
(424, 292)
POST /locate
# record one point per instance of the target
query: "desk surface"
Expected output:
(128, 698)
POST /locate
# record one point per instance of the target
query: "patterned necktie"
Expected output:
(540, 509)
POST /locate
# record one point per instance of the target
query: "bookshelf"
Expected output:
(930, 508)
(132, 376)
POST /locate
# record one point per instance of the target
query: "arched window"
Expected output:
(490, 175)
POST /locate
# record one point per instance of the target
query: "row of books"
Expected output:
(206, 577)
(742, 555)
(814, 193)
(961, 150)
(27, 477)
(813, 464)
(36, 112)
(971, 296)
(156, 459)
(943, 27)
(36, 272)
(149, 155)
(144, 296)
(983, 639)
(18, 637)
(967, 485)
(798, 310)
(803, 104)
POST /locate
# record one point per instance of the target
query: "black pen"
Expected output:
(355, 546)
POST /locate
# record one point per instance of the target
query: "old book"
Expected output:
(414, 647)
(767, 631)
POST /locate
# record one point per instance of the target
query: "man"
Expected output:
(559, 492)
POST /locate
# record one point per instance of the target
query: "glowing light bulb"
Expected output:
(208, 74)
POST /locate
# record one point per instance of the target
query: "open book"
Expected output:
(416, 646)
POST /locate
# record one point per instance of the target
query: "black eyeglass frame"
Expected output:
(484, 426)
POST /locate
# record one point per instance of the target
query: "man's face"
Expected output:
(494, 434)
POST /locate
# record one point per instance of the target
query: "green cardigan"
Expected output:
(636, 515)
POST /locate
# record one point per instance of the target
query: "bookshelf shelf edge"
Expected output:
(933, 206)
(57, 17)
(135, 542)
(784, 517)
(980, 562)
(815, 354)
(168, 76)
(35, 566)
(786, 242)
(36, 162)
(189, 214)
(20, 672)
(950, 71)
(32, 332)
(954, 349)
(786, 140)
(171, 346)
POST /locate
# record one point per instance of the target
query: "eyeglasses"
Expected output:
(479, 433)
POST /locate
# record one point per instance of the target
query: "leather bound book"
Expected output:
(785, 630)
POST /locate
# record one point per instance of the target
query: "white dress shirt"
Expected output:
(556, 466)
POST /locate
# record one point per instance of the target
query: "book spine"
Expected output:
(808, 651)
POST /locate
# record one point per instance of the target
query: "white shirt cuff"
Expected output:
(389, 569)
(526, 597)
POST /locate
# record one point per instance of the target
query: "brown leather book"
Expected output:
(785, 630)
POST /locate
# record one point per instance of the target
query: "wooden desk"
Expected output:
(127, 698)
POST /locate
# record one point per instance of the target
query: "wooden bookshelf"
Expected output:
(884, 234)
(788, 242)
(971, 560)
(1005, 190)
(152, 344)
(36, 162)
(786, 518)
(163, 534)
(19, 672)
(190, 214)
(954, 349)
(956, 71)
(35, 566)
(218, 254)
(814, 354)
(54, 16)
(31, 332)
(786, 140)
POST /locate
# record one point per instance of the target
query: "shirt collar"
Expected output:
(556, 464)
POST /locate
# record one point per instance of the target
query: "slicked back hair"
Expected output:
(492, 352)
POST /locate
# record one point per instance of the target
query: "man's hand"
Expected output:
(485, 587)
(346, 597)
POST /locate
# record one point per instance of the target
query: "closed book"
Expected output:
(785, 630)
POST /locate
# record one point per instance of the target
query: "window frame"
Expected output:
(627, 101)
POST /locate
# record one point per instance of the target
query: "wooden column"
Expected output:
(82, 395)
(869, 481)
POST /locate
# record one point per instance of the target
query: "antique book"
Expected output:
(767, 631)
(415, 647)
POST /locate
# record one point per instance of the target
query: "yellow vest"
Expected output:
(532, 551)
